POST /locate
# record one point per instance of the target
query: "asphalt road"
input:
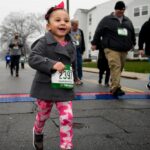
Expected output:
(98, 124)
(22, 84)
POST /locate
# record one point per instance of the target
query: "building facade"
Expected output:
(137, 10)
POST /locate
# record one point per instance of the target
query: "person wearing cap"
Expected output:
(117, 36)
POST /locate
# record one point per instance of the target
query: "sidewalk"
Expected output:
(125, 74)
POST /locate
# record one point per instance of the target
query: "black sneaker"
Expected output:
(11, 72)
(17, 75)
(118, 92)
(37, 141)
(107, 84)
(148, 85)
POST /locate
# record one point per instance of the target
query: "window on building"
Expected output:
(137, 30)
(90, 19)
(144, 10)
(136, 11)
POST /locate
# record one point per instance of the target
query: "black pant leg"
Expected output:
(17, 59)
(12, 64)
(107, 76)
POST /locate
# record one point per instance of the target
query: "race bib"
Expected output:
(122, 31)
(22, 59)
(76, 43)
(63, 80)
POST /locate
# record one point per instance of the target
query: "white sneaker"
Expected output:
(37, 141)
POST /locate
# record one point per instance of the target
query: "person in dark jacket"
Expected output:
(117, 34)
(52, 57)
(144, 42)
(103, 67)
(78, 38)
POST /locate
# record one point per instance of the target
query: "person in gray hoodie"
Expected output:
(15, 51)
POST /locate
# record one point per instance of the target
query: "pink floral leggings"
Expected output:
(65, 118)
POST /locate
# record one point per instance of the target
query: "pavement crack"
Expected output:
(55, 123)
(16, 113)
(124, 130)
(98, 116)
(144, 144)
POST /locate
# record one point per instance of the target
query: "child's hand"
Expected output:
(141, 52)
(93, 47)
(59, 66)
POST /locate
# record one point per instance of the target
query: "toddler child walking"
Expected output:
(52, 58)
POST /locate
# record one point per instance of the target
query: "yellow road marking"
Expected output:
(127, 89)
(131, 89)
(90, 80)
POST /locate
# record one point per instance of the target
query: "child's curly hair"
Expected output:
(48, 13)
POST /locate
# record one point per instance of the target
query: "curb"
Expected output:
(124, 76)
(129, 77)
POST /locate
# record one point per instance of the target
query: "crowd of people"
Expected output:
(114, 37)
(57, 59)
(115, 33)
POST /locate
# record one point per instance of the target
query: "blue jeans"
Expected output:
(79, 63)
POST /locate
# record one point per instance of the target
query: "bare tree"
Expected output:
(26, 25)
